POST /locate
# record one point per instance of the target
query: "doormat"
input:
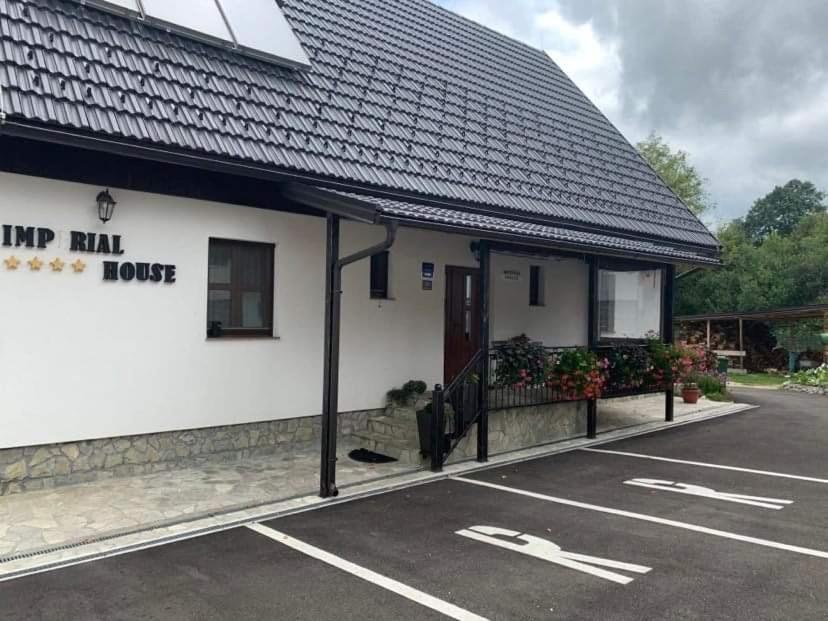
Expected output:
(370, 457)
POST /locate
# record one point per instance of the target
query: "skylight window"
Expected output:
(252, 27)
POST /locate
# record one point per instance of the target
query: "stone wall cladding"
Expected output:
(41, 467)
(525, 427)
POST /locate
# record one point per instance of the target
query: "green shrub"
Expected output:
(402, 396)
(521, 362)
(709, 385)
(812, 377)
(414, 387)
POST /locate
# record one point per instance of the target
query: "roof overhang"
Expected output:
(696, 255)
(813, 311)
(375, 210)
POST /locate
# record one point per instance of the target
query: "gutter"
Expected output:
(333, 313)
(35, 131)
(692, 270)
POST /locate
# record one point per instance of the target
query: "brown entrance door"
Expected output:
(462, 318)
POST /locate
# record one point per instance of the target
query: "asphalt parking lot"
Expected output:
(733, 526)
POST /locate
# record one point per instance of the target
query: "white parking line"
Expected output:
(766, 473)
(551, 552)
(650, 518)
(707, 492)
(424, 599)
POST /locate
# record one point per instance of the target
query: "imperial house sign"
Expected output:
(38, 237)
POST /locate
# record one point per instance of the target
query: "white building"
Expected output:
(201, 304)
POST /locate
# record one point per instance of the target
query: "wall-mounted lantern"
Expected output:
(106, 206)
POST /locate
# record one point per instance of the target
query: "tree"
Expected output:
(782, 270)
(676, 171)
(783, 209)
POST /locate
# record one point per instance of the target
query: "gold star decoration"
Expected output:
(12, 262)
(35, 264)
(78, 266)
(57, 265)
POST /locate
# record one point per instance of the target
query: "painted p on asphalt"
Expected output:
(725, 519)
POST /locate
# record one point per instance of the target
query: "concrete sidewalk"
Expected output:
(105, 514)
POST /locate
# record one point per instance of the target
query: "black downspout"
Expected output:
(667, 304)
(330, 385)
(483, 424)
(592, 338)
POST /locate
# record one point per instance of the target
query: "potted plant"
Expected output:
(424, 431)
(690, 390)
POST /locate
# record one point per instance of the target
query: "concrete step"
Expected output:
(393, 446)
(404, 428)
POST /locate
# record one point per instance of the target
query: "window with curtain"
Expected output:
(240, 289)
(629, 303)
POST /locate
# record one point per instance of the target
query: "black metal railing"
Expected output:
(506, 393)
(460, 405)
(455, 409)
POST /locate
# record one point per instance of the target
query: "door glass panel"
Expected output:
(467, 324)
(468, 289)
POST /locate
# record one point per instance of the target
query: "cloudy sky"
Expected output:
(741, 85)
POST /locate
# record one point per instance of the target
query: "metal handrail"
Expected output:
(468, 405)
(460, 378)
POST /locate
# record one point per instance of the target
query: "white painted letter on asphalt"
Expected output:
(549, 551)
(706, 492)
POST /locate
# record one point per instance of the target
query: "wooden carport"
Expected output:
(813, 311)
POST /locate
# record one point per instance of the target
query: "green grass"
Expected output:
(756, 379)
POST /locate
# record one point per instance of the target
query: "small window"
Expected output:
(535, 285)
(606, 303)
(240, 289)
(379, 276)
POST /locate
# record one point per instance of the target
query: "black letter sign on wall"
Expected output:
(96, 243)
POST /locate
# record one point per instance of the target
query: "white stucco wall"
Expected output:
(561, 321)
(81, 358)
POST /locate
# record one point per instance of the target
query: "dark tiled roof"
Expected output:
(527, 231)
(402, 96)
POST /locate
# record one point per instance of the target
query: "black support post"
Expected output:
(592, 303)
(438, 428)
(669, 275)
(330, 384)
(483, 423)
(592, 418)
(592, 338)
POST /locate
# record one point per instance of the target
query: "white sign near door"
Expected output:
(549, 551)
(706, 492)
